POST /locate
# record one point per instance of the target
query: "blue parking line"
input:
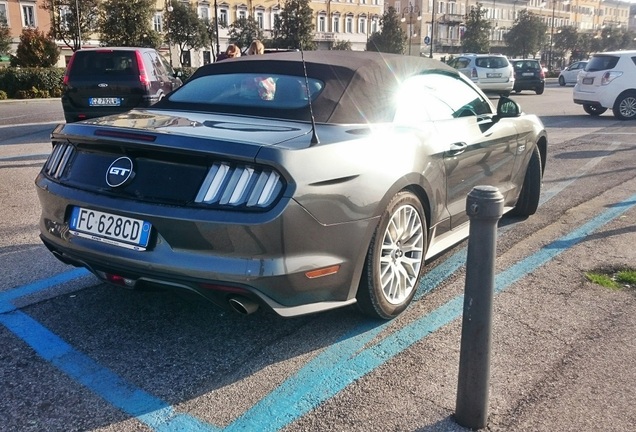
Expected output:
(330, 372)
(320, 380)
(135, 402)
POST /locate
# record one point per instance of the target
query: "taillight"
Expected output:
(610, 76)
(240, 186)
(68, 69)
(473, 73)
(143, 75)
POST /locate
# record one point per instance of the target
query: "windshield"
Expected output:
(249, 90)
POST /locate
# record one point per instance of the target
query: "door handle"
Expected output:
(457, 148)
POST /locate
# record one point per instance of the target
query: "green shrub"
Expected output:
(46, 81)
(3, 95)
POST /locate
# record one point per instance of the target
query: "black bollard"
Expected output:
(484, 207)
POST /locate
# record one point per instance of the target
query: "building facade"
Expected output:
(433, 27)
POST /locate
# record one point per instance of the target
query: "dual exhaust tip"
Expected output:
(243, 305)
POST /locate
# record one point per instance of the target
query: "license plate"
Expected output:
(103, 101)
(109, 228)
(588, 80)
(493, 75)
(527, 74)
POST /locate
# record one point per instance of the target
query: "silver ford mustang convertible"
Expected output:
(298, 182)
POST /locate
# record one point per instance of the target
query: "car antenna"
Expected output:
(314, 136)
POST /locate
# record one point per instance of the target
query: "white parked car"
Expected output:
(492, 73)
(608, 82)
(569, 74)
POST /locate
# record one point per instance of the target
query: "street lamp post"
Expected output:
(411, 10)
(432, 28)
(79, 27)
(216, 27)
(551, 36)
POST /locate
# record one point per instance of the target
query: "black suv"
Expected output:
(105, 81)
(529, 75)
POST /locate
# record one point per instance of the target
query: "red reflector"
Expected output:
(119, 280)
(116, 279)
(82, 116)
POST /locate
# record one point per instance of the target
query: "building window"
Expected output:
(349, 24)
(204, 13)
(260, 19)
(28, 16)
(362, 25)
(241, 14)
(322, 23)
(207, 57)
(4, 16)
(335, 24)
(223, 17)
(157, 22)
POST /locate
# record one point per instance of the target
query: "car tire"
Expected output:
(562, 81)
(594, 110)
(506, 94)
(528, 201)
(625, 106)
(517, 91)
(395, 259)
(539, 90)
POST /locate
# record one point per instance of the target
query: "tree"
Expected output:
(391, 39)
(243, 31)
(294, 27)
(64, 20)
(565, 40)
(527, 35)
(476, 38)
(587, 43)
(5, 35)
(127, 23)
(185, 29)
(35, 50)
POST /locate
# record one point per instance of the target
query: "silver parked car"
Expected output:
(297, 182)
(492, 73)
(569, 74)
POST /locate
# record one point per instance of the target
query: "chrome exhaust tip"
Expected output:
(243, 305)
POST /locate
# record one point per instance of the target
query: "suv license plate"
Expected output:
(493, 75)
(109, 228)
(102, 101)
(588, 81)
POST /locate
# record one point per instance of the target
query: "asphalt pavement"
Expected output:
(563, 348)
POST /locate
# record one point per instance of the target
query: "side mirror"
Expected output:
(506, 107)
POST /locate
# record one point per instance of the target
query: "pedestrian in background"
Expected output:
(233, 51)
(256, 48)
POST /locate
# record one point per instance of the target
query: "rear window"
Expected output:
(491, 62)
(249, 90)
(527, 64)
(601, 63)
(90, 63)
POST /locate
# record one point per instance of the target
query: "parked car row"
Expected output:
(495, 73)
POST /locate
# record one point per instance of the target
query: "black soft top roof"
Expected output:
(359, 85)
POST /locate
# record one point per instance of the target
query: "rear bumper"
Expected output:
(529, 84)
(266, 261)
